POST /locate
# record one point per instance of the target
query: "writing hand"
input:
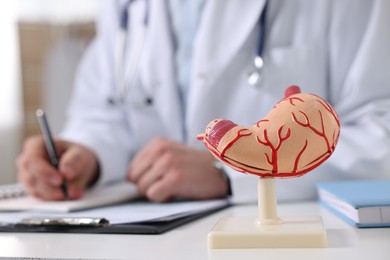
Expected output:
(78, 167)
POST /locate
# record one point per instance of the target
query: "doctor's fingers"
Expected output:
(164, 189)
(34, 146)
(148, 156)
(165, 164)
(45, 191)
(78, 164)
(40, 179)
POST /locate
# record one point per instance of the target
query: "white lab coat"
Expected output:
(338, 49)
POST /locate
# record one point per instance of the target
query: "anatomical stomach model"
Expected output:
(299, 134)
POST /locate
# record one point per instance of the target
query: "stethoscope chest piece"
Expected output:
(255, 76)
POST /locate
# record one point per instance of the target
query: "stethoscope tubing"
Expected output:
(125, 76)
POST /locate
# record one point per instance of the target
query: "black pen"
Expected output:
(48, 140)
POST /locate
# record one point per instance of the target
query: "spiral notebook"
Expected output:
(9, 191)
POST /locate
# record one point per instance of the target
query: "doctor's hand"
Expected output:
(78, 167)
(165, 169)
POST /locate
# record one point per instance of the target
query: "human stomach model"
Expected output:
(299, 134)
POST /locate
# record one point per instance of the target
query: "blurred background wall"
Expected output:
(42, 43)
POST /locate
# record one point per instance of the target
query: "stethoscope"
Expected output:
(125, 76)
(255, 76)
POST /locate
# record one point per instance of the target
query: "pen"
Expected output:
(48, 140)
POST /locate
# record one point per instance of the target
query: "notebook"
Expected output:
(363, 203)
(13, 198)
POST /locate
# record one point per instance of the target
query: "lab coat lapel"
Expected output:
(158, 69)
(221, 35)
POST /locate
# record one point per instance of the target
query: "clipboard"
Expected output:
(149, 227)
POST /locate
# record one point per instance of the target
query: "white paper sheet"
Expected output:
(131, 212)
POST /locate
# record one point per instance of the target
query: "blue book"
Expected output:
(363, 203)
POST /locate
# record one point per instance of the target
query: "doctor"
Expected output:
(159, 71)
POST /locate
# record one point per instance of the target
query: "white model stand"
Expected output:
(267, 230)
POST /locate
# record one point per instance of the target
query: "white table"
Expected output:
(190, 241)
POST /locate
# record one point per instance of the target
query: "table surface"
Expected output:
(190, 241)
